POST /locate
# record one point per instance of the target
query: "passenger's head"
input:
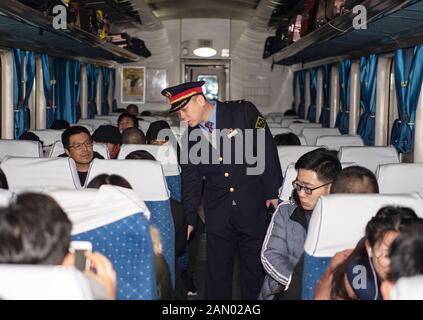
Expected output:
(140, 155)
(112, 179)
(30, 136)
(290, 112)
(111, 136)
(78, 145)
(355, 179)
(316, 171)
(380, 233)
(145, 113)
(126, 121)
(3, 180)
(60, 124)
(34, 230)
(287, 139)
(133, 136)
(132, 109)
(406, 257)
(154, 134)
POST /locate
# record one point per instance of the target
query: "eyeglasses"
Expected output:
(383, 259)
(307, 190)
(78, 146)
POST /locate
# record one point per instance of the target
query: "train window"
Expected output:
(211, 86)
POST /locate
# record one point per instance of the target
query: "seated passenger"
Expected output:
(406, 257)
(140, 155)
(126, 121)
(355, 179)
(133, 136)
(78, 145)
(30, 136)
(290, 112)
(111, 136)
(370, 255)
(132, 109)
(153, 135)
(35, 230)
(287, 139)
(285, 237)
(59, 125)
(3, 180)
(164, 282)
(146, 113)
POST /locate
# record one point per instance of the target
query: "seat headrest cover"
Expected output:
(369, 157)
(89, 209)
(20, 148)
(311, 134)
(35, 282)
(48, 136)
(400, 177)
(336, 142)
(338, 221)
(410, 288)
(291, 154)
(5, 197)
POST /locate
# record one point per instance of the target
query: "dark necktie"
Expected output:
(209, 125)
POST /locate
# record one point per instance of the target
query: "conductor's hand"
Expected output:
(273, 202)
(189, 231)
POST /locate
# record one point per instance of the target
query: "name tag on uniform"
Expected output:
(231, 133)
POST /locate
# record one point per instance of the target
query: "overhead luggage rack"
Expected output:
(391, 24)
(26, 28)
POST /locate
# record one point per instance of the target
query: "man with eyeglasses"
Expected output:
(285, 238)
(78, 145)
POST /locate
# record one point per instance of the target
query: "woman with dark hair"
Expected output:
(154, 134)
(112, 179)
(3, 181)
(341, 282)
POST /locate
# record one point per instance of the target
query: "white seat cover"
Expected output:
(20, 148)
(165, 154)
(113, 119)
(36, 282)
(145, 176)
(273, 124)
(285, 123)
(400, 177)
(369, 157)
(58, 149)
(39, 173)
(338, 221)
(48, 136)
(5, 197)
(410, 288)
(89, 209)
(298, 128)
(275, 131)
(94, 123)
(336, 142)
(87, 126)
(143, 125)
(311, 134)
(289, 154)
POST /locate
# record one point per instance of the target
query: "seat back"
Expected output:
(148, 181)
(37, 282)
(5, 197)
(335, 142)
(298, 128)
(113, 119)
(20, 148)
(143, 125)
(289, 154)
(369, 157)
(38, 173)
(400, 177)
(311, 134)
(285, 123)
(94, 123)
(48, 136)
(338, 222)
(275, 131)
(58, 149)
(114, 220)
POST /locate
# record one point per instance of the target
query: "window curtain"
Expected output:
(19, 113)
(342, 119)
(47, 90)
(294, 91)
(302, 83)
(105, 92)
(92, 76)
(368, 78)
(65, 93)
(408, 81)
(77, 88)
(311, 114)
(113, 79)
(325, 114)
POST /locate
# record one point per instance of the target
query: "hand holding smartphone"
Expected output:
(78, 248)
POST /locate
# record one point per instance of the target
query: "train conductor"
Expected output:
(236, 200)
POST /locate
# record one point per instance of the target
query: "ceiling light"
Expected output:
(205, 52)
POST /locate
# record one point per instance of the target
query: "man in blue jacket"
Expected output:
(230, 145)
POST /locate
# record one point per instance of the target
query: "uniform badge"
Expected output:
(167, 94)
(231, 132)
(260, 123)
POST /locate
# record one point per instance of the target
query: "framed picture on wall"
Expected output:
(156, 82)
(133, 84)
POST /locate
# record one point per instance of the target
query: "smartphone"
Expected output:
(79, 248)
